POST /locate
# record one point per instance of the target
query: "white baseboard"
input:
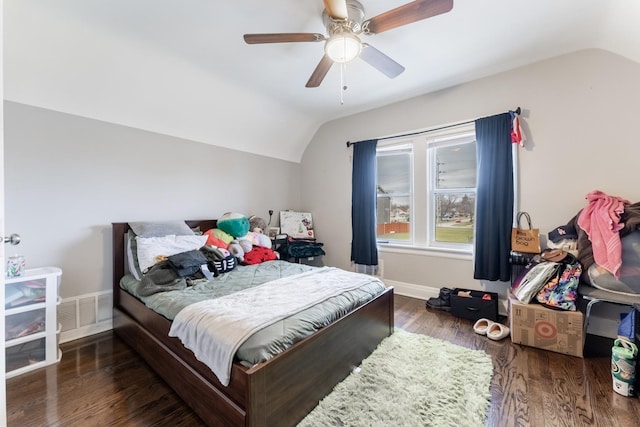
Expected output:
(85, 331)
(412, 290)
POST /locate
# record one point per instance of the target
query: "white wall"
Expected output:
(578, 115)
(68, 178)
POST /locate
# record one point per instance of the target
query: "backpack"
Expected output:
(561, 291)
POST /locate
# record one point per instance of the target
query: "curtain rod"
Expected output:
(349, 143)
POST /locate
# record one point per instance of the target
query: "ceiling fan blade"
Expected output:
(283, 38)
(407, 14)
(380, 61)
(336, 9)
(321, 70)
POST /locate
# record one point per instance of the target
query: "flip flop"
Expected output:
(498, 331)
(482, 326)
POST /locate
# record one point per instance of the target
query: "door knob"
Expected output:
(14, 239)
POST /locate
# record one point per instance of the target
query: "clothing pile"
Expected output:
(606, 236)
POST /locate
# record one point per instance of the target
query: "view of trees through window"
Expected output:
(454, 191)
(454, 217)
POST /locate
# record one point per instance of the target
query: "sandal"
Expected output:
(497, 331)
(482, 326)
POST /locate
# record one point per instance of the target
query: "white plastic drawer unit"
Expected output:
(30, 320)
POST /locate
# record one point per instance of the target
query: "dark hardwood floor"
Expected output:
(100, 381)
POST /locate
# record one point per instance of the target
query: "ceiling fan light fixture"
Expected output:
(343, 47)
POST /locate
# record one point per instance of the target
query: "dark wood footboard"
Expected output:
(279, 392)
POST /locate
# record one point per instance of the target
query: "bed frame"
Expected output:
(279, 392)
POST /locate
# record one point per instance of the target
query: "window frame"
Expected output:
(423, 191)
(388, 150)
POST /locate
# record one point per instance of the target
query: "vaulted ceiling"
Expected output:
(181, 67)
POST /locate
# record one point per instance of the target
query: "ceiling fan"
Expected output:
(344, 22)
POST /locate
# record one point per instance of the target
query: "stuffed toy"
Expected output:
(219, 234)
(257, 239)
(257, 224)
(212, 240)
(234, 224)
(259, 255)
(239, 248)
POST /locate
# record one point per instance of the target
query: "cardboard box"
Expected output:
(538, 326)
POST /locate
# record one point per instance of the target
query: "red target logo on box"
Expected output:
(545, 330)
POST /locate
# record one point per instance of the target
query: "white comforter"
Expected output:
(215, 329)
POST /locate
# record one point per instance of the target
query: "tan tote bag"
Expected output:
(525, 240)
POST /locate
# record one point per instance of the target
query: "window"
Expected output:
(394, 192)
(427, 189)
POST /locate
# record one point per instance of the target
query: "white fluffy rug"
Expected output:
(411, 380)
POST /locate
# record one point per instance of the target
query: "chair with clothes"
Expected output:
(599, 285)
(594, 296)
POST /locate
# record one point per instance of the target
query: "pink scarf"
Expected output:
(601, 221)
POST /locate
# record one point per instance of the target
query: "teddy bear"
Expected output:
(257, 224)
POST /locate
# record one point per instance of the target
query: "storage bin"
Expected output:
(25, 354)
(475, 307)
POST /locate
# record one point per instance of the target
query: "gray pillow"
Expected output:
(132, 256)
(161, 228)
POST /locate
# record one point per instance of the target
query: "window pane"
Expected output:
(454, 217)
(456, 166)
(394, 222)
(394, 173)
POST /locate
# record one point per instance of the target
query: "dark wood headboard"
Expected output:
(119, 233)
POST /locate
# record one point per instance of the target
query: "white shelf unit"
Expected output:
(31, 325)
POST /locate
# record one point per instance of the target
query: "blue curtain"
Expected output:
(364, 249)
(494, 200)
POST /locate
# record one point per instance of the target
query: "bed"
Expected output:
(277, 392)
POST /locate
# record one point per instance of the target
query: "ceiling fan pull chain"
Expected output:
(343, 86)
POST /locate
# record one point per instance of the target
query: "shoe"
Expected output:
(438, 304)
(497, 331)
(442, 302)
(482, 326)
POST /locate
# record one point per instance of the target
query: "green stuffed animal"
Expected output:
(235, 224)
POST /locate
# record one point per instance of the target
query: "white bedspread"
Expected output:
(215, 329)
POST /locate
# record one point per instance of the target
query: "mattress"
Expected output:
(276, 337)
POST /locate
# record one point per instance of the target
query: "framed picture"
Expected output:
(297, 224)
(273, 232)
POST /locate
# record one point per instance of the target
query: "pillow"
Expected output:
(161, 228)
(132, 256)
(153, 249)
